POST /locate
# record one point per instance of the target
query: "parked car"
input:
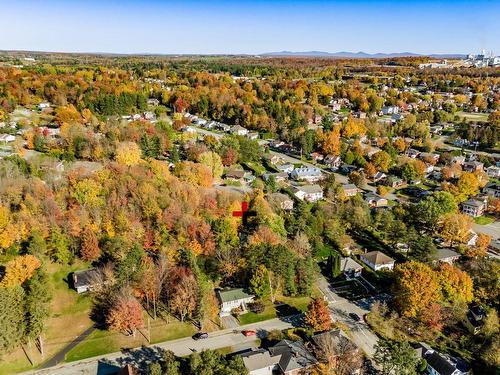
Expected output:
(354, 317)
(200, 335)
(249, 332)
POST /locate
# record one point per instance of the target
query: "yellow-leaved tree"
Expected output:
(18, 270)
(128, 153)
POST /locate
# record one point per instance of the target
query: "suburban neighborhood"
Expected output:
(291, 213)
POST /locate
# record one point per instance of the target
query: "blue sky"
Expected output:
(203, 27)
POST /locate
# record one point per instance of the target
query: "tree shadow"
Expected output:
(106, 368)
(141, 358)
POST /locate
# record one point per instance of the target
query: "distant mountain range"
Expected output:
(358, 55)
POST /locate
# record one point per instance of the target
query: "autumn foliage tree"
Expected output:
(456, 285)
(318, 316)
(90, 250)
(18, 270)
(416, 288)
(331, 141)
(125, 314)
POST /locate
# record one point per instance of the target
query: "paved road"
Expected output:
(106, 364)
(492, 229)
(340, 309)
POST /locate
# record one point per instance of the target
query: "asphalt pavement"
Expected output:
(106, 364)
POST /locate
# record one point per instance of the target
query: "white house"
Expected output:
(390, 110)
(441, 364)
(377, 261)
(309, 193)
(493, 171)
(287, 168)
(231, 299)
(310, 174)
(7, 138)
(44, 105)
(239, 130)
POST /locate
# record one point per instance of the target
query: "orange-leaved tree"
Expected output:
(318, 316)
(416, 288)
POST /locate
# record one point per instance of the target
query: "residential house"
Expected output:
(260, 362)
(43, 105)
(471, 238)
(350, 190)
(5, 138)
(375, 200)
(389, 110)
(253, 135)
(492, 189)
(428, 156)
(379, 176)
(359, 114)
(309, 193)
(472, 166)
(226, 128)
(149, 115)
(396, 117)
(458, 160)
(285, 358)
(394, 182)
(239, 130)
(84, 281)
(294, 357)
(278, 177)
(446, 256)
(473, 208)
(350, 268)
(493, 171)
(231, 299)
(283, 201)
(412, 153)
(347, 168)
(153, 101)
(335, 106)
(377, 261)
(273, 158)
(441, 364)
(235, 175)
(287, 168)
(317, 157)
(311, 174)
(333, 161)
(189, 129)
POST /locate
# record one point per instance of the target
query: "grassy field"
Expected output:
(69, 317)
(103, 342)
(473, 116)
(484, 220)
(291, 305)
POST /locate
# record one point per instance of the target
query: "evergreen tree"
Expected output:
(37, 302)
(12, 324)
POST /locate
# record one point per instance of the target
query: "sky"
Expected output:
(250, 27)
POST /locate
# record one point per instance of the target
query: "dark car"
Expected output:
(354, 317)
(200, 335)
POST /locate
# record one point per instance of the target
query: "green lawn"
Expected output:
(484, 220)
(103, 342)
(473, 116)
(251, 317)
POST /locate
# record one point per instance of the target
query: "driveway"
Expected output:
(340, 308)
